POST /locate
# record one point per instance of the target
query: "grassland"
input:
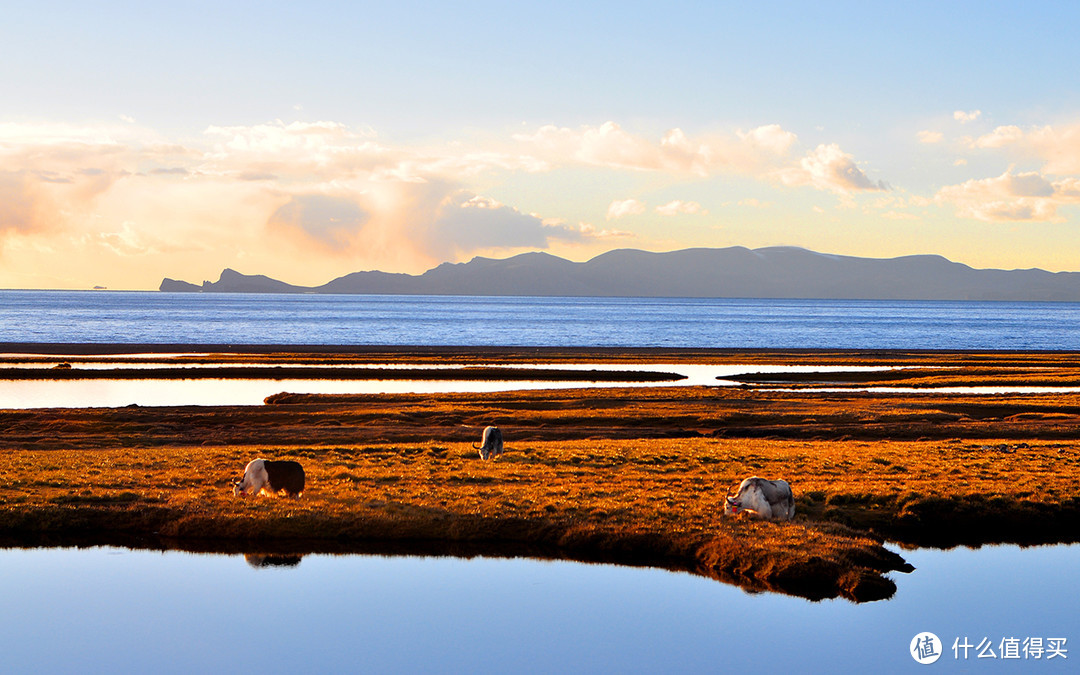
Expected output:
(634, 476)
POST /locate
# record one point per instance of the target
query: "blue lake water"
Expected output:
(164, 318)
(107, 610)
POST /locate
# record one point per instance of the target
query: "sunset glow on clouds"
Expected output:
(104, 182)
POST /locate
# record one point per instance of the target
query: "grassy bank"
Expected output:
(615, 501)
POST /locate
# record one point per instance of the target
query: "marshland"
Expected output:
(627, 475)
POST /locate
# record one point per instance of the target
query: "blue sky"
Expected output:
(308, 141)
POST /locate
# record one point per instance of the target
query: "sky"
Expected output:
(306, 141)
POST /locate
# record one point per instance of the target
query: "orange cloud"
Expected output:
(1011, 197)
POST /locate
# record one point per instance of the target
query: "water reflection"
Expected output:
(115, 610)
(259, 560)
(23, 394)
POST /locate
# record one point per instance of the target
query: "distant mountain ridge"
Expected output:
(736, 272)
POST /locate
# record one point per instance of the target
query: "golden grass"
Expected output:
(649, 502)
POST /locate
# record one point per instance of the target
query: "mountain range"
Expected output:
(735, 272)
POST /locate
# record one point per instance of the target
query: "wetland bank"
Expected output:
(612, 474)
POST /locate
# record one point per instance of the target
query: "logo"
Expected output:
(925, 648)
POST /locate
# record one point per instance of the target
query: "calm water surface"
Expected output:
(23, 394)
(115, 610)
(165, 318)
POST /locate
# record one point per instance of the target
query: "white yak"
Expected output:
(491, 443)
(768, 499)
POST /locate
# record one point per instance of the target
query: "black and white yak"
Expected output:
(271, 476)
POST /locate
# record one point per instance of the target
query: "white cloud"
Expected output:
(624, 207)
(1011, 197)
(678, 206)
(1000, 137)
(828, 167)
(590, 232)
(609, 145)
(963, 117)
(770, 137)
(762, 152)
(930, 137)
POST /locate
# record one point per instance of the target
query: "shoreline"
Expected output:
(514, 354)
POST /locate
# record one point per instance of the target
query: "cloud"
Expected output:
(609, 145)
(321, 186)
(899, 215)
(330, 151)
(762, 152)
(1057, 146)
(930, 137)
(677, 206)
(829, 168)
(963, 117)
(19, 209)
(432, 221)
(465, 222)
(625, 207)
(1000, 137)
(588, 231)
(340, 195)
(333, 221)
(303, 150)
(1011, 197)
(129, 241)
(771, 138)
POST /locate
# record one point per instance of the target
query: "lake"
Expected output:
(117, 610)
(195, 318)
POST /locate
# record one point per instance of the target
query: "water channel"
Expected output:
(117, 610)
(79, 393)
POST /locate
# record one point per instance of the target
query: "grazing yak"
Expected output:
(271, 476)
(491, 443)
(768, 499)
